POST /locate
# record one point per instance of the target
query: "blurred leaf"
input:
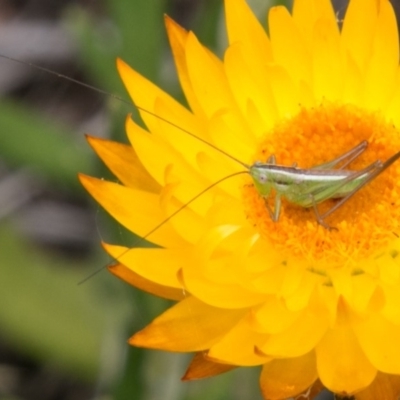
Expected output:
(142, 31)
(207, 24)
(47, 315)
(134, 32)
(27, 140)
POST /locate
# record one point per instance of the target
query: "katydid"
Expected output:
(308, 187)
(303, 187)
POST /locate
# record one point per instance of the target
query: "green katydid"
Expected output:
(308, 187)
(303, 187)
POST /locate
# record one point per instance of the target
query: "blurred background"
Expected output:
(60, 340)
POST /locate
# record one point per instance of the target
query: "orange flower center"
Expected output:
(367, 221)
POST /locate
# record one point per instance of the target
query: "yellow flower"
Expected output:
(308, 304)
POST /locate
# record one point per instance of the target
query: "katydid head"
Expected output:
(261, 179)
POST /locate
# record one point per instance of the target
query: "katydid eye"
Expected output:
(262, 178)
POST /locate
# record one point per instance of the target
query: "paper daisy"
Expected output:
(310, 305)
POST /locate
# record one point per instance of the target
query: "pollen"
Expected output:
(365, 223)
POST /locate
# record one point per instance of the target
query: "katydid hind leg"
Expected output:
(326, 190)
(377, 168)
(372, 170)
(320, 219)
(346, 158)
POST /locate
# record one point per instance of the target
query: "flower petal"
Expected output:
(156, 155)
(384, 59)
(281, 379)
(246, 87)
(200, 367)
(393, 106)
(145, 94)
(177, 38)
(384, 386)
(138, 211)
(243, 27)
(129, 276)
(190, 325)
(288, 47)
(238, 346)
(343, 367)
(212, 93)
(273, 317)
(308, 13)
(300, 338)
(158, 265)
(358, 30)
(326, 60)
(379, 339)
(123, 161)
(285, 92)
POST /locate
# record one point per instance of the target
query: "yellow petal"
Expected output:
(138, 211)
(299, 296)
(231, 135)
(246, 87)
(200, 367)
(185, 222)
(145, 95)
(212, 93)
(207, 278)
(123, 161)
(215, 170)
(177, 38)
(364, 287)
(353, 81)
(384, 386)
(281, 379)
(286, 94)
(379, 339)
(384, 59)
(220, 295)
(389, 267)
(307, 13)
(300, 338)
(326, 60)
(288, 47)
(394, 102)
(156, 155)
(129, 276)
(358, 30)
(167, 166)
(343, 367)
(168, 120)
(243, 27)
(190, 325)
(244, 341)
(273, 317)
(161, 266)
(391, 309)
